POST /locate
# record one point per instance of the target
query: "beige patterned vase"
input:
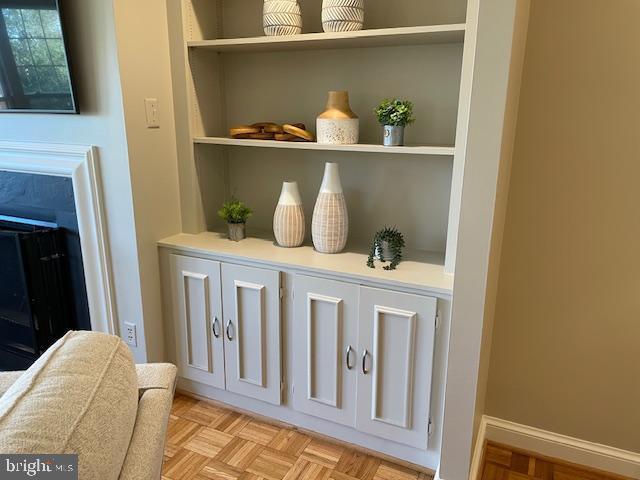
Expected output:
(282, 17)
(288, 221)
(330, 225)
(342, 15)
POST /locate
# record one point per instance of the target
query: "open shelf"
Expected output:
(423, 271)
(383, 37)
(364, 148)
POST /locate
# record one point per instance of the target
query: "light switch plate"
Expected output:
(151, 110)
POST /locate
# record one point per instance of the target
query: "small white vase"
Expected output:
(330, 224)
(342, 15)
(282, 17)
(288, 220)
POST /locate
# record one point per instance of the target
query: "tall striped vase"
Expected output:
(288, 221)
(282, 17)
(330, 224)
(342, 15)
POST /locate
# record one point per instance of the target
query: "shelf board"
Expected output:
(419, 271)
(383, 37)
(365, 148)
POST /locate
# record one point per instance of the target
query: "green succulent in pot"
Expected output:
(386, 246)
(394, 115)
(235, 213)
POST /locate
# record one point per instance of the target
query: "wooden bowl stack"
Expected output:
(289, 132)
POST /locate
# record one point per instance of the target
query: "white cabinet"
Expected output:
(198, 319)
(251, 299)
(396, 341)
(324, 341)
(362, 357)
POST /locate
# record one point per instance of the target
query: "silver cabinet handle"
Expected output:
(364, 362)
(216, 327)
(348, 357)
(229, 324)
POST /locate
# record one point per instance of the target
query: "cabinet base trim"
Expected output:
(284, 417)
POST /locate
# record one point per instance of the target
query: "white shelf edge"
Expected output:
(364, 148)
(422, 277)
(431, 34)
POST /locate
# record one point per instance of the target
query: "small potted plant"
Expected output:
(387, 246)
(235, 213)
(394, 115)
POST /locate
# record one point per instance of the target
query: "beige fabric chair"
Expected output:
(89, 382)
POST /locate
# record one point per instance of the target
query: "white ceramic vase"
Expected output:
(342, 15)
(282, 17)
(288, 220)
(330, 224)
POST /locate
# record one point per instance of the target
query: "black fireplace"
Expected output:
(42, 287)
(34, 287)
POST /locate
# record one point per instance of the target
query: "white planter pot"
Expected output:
(342, 15)
(236, 231)
(282, 17)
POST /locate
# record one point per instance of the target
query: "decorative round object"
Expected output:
(298, 132)
(282, 17)
(342, 15)
(330, 224)
(288, 221)
(338, 125)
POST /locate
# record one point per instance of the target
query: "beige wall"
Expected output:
(145, 72)
(566, 344)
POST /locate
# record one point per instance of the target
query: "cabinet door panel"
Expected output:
(396, 338)
(325, 326)
(198, 319)
(252, 331)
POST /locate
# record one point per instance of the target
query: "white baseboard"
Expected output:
(549, 444)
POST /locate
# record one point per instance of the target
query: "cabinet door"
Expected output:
(325, 356)
(396, 341)
(197, 300)
(251, 299)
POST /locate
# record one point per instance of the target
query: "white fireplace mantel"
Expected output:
(78, 162)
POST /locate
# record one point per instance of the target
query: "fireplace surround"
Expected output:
(78, 164)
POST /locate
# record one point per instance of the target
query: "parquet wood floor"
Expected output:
(504, 463)
(207, 442)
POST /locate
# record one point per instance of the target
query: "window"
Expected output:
(36, 42)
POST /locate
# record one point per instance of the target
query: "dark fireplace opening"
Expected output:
(42, 286)
(36, 307)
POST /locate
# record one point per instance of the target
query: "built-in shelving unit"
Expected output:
(456, 61)
(382, 37)
(446, 151)
(236, 75)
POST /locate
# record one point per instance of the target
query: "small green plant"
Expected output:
(387, 238)
(395, 112)
(234, 211)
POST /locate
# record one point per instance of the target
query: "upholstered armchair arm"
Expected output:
(156, 383)
(7, 379)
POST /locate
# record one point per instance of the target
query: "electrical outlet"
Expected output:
(130, 334)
